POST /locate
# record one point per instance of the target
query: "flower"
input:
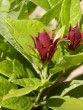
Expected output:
(75, 37)
(45, 45)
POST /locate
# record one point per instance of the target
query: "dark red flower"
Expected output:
(75, 37)
(45, 45)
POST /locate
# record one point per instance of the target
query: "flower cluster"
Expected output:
(47, 46)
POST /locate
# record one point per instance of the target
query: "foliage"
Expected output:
(26, 82)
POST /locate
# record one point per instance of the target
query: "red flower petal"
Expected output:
(44, 38)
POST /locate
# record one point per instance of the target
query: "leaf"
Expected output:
(4, 5)
(3, 46)
(42, 3)
(60, 32)
(68, 61)
(27, 82)
(4, 8)
(64, 103)
(75, 15)
(5, 68)
(21, 31)
(31, 7)
(72, 88)
(51, 13)
(18, 70)
(24, 12)
(20, 103)
(69, 13)
(5, 86)
(57, 55)
(23, 91)
(74, 84)
(53, 2)
(19, 11)
(10, 53)
(65, 13)
(8, 36)
(82, 27)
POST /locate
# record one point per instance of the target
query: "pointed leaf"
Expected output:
(51, 13)
(74, 84)
(42, 3)
(20, 103)
(69, 13)
(33, 85)
(5, 68)
(68, 61)
(5, 86)
(64, 103)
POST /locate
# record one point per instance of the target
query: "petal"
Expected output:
(77, 36)
(53, 34)
(34, 40)
(44, 38)
(70, 28)
(51, 53)
(39, 46)
(42, 50)
(77, 26)
(71, 36)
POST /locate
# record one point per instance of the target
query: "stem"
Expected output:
(43, 78)
(51, 88)
(39, 94)
(45, 72)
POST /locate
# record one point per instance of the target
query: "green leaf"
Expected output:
(18, 70)
(10, 53)
(82, 27)
(74, 84)
(5, 68)
(21, 31)
(51, 13)
(64, 103)
(19, 11)
(65, 13)
(3, 46)
(6, 33)
(31, 7)
(5, 86)
(60, 32)
(53, 2)
(70, 88)
(27, 82)
(4, 5)
(24, 12)
(68, 61)
(33, 85)
(75, 12)
(43, 3)
(57, 55)
(20, 103)
(70, 13)
(4, 8)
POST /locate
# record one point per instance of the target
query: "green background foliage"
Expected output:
(21, 83)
